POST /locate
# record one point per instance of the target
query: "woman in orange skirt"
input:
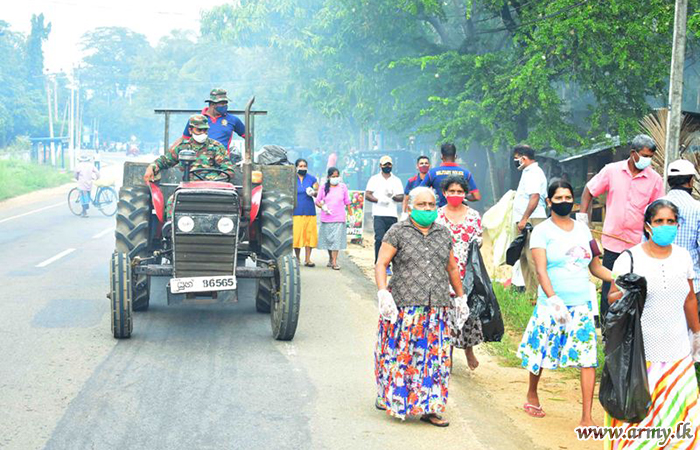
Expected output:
(305, 229)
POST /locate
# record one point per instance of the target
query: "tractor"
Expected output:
(220, 231)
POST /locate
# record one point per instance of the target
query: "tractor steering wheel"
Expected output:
(200, 174)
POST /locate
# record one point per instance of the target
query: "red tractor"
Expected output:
(221, 231)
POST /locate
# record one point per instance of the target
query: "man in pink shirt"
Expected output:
(631, 186)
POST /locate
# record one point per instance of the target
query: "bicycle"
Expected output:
(105, 199)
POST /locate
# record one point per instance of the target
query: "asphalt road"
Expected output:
(191, 377)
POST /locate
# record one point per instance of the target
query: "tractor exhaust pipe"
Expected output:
(248, 160)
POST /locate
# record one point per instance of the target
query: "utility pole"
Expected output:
(675, 89)
(48, 105)
(71, 129)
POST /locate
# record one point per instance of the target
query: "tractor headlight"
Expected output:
(185, 224)
(225, 225)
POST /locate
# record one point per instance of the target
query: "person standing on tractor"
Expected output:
(210, 154)
(85, 173)
(222, 125)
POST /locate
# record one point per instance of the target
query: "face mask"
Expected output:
(643, 163)
(664, 235)
(454, 200)
(562, 209)
(423, 169)
(301, 172)
(199, 138)
(424, 218)
(518, 164)
(386, 169)
(222, 109)
(335, 181)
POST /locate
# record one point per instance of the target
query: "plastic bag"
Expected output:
(624, 386)
(273, 155)
(515, 249)
(481, 299)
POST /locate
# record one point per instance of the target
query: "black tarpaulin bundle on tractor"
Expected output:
(624, 387)
(480, 296)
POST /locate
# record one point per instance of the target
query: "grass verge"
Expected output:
(517, 309)
(19, 177)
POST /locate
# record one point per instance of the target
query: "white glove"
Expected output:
(695, 352)
(326, 210)
(386, 201)
(461, 311)
(387, 306)
(404, 216)
(558, 310)
(310, 191)
(582, 217)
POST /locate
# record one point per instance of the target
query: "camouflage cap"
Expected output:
(217, 95)
(198, 121)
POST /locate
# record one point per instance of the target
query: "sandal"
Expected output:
(378, 406)
(329, 264)
(435, 420)
(533, 411)
(336, 267)
(309, 264)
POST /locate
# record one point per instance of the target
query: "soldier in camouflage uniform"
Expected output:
(209, 154)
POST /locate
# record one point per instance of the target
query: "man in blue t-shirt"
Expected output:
(423, 166)
(450, 168)
(222, 125)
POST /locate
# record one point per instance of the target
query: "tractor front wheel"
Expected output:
(286, 305)
(120, 295)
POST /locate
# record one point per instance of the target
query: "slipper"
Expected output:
(329, 265)
(378, 406)
(310, 264)
(430, 418)
(533, 411)
(336, 267)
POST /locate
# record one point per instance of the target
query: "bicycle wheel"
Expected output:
(74, 202)
(106, 201)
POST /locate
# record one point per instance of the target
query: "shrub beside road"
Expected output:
(20, 177)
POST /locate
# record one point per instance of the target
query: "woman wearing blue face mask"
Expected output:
(670, 312)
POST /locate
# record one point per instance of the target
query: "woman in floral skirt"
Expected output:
(412, 357)
(561, 332)
(464, 224)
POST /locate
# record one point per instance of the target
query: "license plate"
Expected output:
(202, 284)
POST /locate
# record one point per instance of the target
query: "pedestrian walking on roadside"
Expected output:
(529, 207)
(304, 216)
(561, 330)
(631, 186)
(681, 175)
(333, 199)
(85, 174)
(423, 166)
(448, 168)
(464, 224)
(385, 192)
(412, 356)
(670, 311)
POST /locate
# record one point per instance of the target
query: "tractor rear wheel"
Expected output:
(132, 234)
(286, 305)
(120, 295)
(276, 238)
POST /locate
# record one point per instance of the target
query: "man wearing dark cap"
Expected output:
(222, 125)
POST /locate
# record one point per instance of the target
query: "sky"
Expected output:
(70, 19)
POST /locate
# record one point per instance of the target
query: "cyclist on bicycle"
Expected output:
(209, 154)
(85, 173)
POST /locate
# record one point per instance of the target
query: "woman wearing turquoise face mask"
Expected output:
(414, 327)
(670, 312)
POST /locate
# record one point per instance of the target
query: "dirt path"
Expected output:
(506, 386)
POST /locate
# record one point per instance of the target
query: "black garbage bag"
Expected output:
(480, 296)
(515, 249)
(273, 155)
(624, 386)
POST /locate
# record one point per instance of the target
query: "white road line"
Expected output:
(103, 232)
(55, 258)
(31, 212)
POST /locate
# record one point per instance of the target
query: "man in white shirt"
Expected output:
(529, 206)
(385, 192)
